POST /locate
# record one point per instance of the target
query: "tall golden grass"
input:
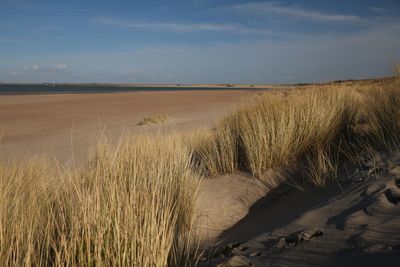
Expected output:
(276, 131)
(132, 206)
(133, 203)
(311, 129)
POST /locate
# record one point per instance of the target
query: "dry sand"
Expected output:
(355, 222)
(64, 125)
(223, 201)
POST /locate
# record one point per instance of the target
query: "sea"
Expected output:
(63, 89)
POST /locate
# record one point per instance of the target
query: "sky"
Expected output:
(197, 41)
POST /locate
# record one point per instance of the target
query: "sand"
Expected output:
(64, 126)
(356, 223)
(223, 201)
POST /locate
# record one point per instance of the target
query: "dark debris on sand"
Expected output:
(364, 232)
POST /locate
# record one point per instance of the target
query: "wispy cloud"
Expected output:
(314, 58)
(40, 70)
(137, 73)
(13, 73)
(33, 67)
(61, 67)
(146, 75)
(386, 13)
(183, 27)
(295, 11)
(379, 10)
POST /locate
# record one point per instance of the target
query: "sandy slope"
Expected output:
(223, 201)
(359, 221)
(63, 125)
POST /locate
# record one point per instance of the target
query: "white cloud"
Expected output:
(183, 27)
(170, 26)
(313, 58)
(33, 67)
(36, 69)
(61, 67)
(146, 75)
(278, 8)
(378, 10)
(365, 53)
(135, 73)
(14, 73)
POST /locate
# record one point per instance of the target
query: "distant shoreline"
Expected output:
(188, 85)
(82, 88)
(24, 89)
(161, 85)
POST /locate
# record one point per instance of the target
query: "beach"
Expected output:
(64, 126)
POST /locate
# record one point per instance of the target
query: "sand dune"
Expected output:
(358, 218)
(223, 201)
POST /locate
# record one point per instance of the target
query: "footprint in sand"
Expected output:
(393, 196)
(397, 182)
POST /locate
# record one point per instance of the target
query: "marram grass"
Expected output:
(310, 129)
(132, 206)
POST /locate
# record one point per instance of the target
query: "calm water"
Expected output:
(40, 89)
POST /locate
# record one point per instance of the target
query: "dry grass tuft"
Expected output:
(132, 206)
(311, 129)
(154, 120)
(276, 131)
(215, 151)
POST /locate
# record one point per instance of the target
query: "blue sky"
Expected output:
(197, 41)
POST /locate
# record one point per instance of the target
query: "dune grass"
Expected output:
(132, 206)
(157, 119)
(276, 131)
(133, 203)
(311, 129)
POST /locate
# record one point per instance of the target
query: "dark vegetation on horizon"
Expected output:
(129, 84)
